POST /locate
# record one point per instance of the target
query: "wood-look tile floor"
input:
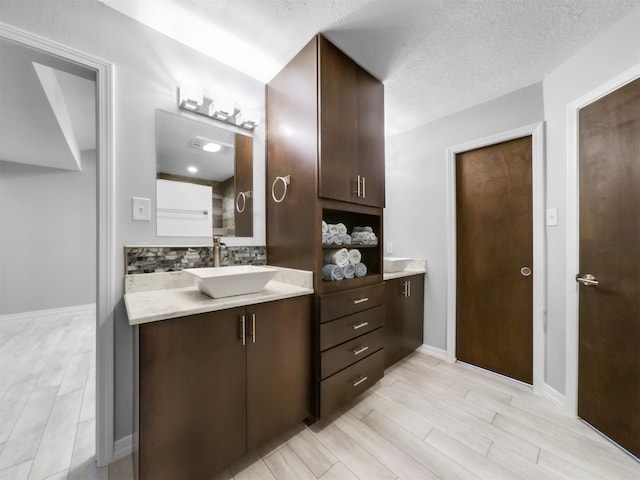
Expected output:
(47, 398)
(426, 419)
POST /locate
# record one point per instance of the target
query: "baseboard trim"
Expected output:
(433, 351)
(89, 308)
(123, 448)
(556, 397)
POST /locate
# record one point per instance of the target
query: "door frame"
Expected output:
(536, 131)
(573, 228)
(105, 255)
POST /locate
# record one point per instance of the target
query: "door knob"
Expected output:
(587, 280)
(525, 271)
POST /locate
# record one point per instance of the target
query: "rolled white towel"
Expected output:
(337, 239)
(361, 270)
(342, 229)
(354, 256)
(363, 229)
(332, 273)
(333, 229)
(325, 227)
(346, 239)
(349, 271)
(328, 239)
(337, 257)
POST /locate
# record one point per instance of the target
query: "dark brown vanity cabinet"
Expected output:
(216, 385)
(351, 338)
(404, 319)
(325, 162)
(351, 129)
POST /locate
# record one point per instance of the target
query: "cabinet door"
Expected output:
(413, 328)
(370, 95)
(278, 367)
(338, 106)
(192, 395)
(394, 319)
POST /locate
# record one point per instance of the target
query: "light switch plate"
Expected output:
(141, 208)
(389, 248)
(552, 217)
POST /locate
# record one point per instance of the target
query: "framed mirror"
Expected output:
(204, 178)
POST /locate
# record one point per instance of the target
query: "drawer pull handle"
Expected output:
(359, 381)
(360, 350)
(360, 325)
(361, 300)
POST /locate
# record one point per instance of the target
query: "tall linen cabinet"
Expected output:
(325, 161)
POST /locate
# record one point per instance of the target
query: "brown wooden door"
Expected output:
(609, 323)
(278, 368)
(192, 395)
(494, 326)
(338, 123)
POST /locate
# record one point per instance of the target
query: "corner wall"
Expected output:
(613, 52)
(47, 236)
(416, 165)
(148, 67)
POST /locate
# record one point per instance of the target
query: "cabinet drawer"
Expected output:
(340, 304)
(352, 326)
(337, 358)
(338, 389)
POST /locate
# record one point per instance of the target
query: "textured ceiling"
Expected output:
(435, 57)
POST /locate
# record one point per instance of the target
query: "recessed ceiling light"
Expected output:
(192, 169)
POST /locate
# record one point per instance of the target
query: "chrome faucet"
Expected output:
(216, 251)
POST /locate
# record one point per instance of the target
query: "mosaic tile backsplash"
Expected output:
(173, 259)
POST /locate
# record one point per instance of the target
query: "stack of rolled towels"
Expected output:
(363, 236)
(342, 263)
(335, 234)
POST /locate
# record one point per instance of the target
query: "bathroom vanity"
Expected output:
(325, 163)
(216, 378)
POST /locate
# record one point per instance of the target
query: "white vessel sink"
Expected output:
(395, 264)
(219, 282)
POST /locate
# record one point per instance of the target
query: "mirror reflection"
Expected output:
(204, 178)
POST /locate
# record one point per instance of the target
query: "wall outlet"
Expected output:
(389, 248)
(141, 208)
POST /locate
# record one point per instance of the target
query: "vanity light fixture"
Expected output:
(221, 108)
(189, 97)
(248, 119)
(192, 169)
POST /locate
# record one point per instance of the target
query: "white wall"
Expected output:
(148, 68)
(612, 53)
(415, 218)
(47, 236)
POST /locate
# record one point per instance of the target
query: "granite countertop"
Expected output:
(415, 267)
(160, 296)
